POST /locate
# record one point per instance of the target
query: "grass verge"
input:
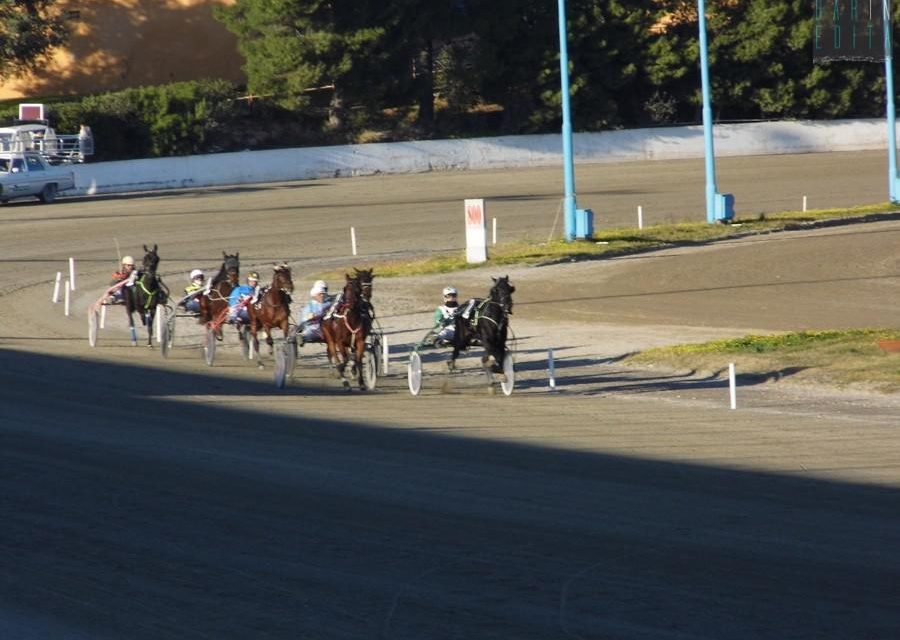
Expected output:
(618, 242)
(846, 359)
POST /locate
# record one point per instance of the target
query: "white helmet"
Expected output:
(449, 291)
(128, 260)
(196, 273)
(318, 287)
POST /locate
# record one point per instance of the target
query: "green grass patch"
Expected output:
(623, 241)
(848, 359)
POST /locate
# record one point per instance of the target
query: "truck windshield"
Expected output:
(4, 165)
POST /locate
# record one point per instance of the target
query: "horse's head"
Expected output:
(231, 267)
(151, 260)
(352, 291)
(501, 293)
(282, 279)
(365, 277)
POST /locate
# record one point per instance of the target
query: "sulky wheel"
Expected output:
(414, 373)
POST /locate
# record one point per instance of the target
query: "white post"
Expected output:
(102, 316)
(353, 239)
(494, 230)
(640, 217)
(72, 273)
(731, 386)
(551, 370)
(384, 356)
(56, 287)
(804, 203)
(476, 231)
(67, 297)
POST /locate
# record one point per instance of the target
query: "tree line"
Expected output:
(341, 68)
(633, 62)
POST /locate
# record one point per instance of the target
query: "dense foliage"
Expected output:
(29, 29)
(326, 72)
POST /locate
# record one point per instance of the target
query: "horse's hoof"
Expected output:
(259, 365)
(347, 385)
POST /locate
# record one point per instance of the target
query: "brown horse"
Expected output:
(214, 300)
(345, 330)
(272, 308)
(365, 277)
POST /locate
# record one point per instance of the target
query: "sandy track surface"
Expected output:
(151, 498)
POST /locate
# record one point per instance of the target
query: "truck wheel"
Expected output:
(48, 195)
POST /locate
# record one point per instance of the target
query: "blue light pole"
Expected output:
(893, 186)
(719, 206)
(568, 162)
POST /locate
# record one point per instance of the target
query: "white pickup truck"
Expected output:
(26, 173)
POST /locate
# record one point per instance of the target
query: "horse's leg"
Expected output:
(148, 318)
(129, 311)
(331, 349)
(360, 354)
(131, 328)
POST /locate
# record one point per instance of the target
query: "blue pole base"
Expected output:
(724, 207)
(584, 224)
(895, 190)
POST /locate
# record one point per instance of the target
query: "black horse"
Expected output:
(147, 292)
(485, 322)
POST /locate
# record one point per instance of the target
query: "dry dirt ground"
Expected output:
(152, 498)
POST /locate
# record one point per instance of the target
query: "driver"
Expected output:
(125, 272)
(313, 313)
(191, 301)
(241, 296)
(444, 327)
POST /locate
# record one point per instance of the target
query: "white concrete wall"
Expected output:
(483, 153)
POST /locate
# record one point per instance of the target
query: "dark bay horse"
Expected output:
(345, 330)
(485, 321)
(365, 277)
(147, 292)
(214, 300)
(272, 308)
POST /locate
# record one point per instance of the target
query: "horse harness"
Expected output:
(474, 312)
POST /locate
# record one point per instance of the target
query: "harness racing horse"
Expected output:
(272, 309)
(486, 322)
(214, 300)
(345, 330)
(147, 292)
(365, 277)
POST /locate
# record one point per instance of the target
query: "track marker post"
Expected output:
(72, 273)
(804, 204)
(67, 298)
(494, 230)
(353, 240)
(731, 386)
(56, 287)
(551, 370)
(640, 217)
(384, 356)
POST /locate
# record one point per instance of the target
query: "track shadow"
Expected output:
(147, 503)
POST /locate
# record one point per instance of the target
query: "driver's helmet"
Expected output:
(252, 277)
(449, 291)
(128, 261)
(320, 286)
(196, 274)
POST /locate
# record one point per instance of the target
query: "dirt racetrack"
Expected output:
(152, 498)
